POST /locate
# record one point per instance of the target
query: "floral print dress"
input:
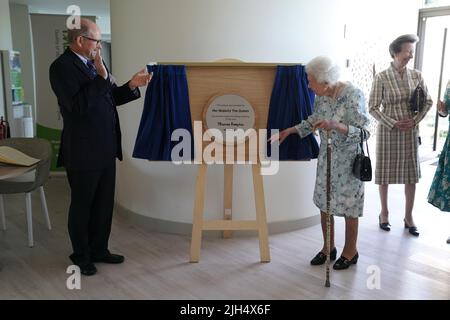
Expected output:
(439, 195)
(347, 192)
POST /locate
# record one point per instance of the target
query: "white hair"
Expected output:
(324, 70)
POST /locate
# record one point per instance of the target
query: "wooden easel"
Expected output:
(255, 82)
(227, 225)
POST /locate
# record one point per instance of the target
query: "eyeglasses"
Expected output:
(95, 40)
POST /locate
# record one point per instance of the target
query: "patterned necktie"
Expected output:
(91, 68)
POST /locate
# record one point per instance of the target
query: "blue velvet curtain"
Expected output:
(166, 109)
(291, 103)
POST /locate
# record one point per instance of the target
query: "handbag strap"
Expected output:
(362, 143)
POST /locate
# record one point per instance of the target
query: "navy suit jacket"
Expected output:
(91, 136)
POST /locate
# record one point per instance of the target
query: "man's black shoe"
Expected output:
(87, 269)
(110, 258)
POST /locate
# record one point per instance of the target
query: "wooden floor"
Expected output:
(157, 264)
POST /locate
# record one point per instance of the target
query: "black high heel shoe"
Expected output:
(343, 263)
(412, 230)
(385, 225)
(321, 257)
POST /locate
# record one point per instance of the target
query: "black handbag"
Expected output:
(362, 167)
(417, 100)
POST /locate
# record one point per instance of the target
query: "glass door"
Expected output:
(433, 54)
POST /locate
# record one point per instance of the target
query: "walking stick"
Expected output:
(327, 281)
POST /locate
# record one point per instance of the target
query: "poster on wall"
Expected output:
(49, 42)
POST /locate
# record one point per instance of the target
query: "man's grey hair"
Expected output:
(73, 34)
(396, 45)
(324, 70)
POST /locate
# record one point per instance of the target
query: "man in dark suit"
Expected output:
(90, 141)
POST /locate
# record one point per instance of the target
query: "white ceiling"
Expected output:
(99, 8)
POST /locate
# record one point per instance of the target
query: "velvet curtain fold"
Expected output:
(291, 103)
(166, 109)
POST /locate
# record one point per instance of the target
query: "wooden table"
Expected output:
(8, 172)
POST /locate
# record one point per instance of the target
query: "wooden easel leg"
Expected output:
(261, 217)
(228, 198)
(197, 224)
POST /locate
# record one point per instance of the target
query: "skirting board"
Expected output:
(173, 227)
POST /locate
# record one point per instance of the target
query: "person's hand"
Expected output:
(99, 66)
(281, 136)
(140, 79)
(441, 107)
(405, 124)
(402, 125)
(326, 125)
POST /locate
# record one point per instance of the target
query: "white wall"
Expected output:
(253, 31)
(372, 25)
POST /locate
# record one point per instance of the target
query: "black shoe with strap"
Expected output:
(412, 230)
(321, 257)
(344, 263)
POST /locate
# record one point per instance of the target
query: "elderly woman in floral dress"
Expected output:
(340, 109)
